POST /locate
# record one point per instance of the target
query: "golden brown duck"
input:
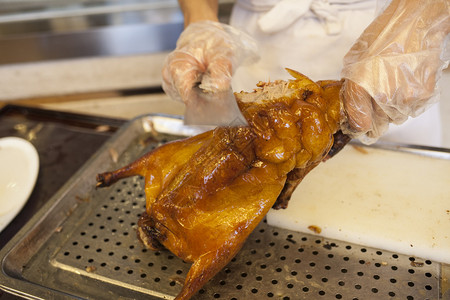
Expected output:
(205, 194)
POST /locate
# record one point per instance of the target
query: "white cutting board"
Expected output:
(378, 198)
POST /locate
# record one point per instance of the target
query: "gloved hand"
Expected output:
(392, 70)
(207, 53)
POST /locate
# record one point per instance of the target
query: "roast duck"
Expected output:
(206, 194)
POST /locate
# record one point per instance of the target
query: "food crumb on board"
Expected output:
(360, 149)
(315, 229)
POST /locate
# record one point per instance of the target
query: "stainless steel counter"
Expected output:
(78, 32)
(36, 31)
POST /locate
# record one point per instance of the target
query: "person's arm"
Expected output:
(392, 70)
(199, 10)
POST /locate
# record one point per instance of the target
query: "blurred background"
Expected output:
(99, 57)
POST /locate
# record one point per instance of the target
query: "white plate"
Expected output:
(19, 167)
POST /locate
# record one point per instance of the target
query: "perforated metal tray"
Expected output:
(82, 244)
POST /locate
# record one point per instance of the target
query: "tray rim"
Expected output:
(14, 284)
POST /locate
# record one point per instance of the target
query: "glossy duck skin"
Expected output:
(207, 193)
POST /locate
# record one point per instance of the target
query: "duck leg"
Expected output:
(204, 268)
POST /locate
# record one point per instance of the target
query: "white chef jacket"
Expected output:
(312, 37)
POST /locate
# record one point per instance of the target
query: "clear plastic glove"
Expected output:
(206, 55)
(391, 72)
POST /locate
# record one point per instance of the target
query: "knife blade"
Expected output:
(218, 108)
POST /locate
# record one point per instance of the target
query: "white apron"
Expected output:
(312, 37)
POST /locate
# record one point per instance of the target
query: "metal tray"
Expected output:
(82, 244)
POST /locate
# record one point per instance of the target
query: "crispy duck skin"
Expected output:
(206, 194)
